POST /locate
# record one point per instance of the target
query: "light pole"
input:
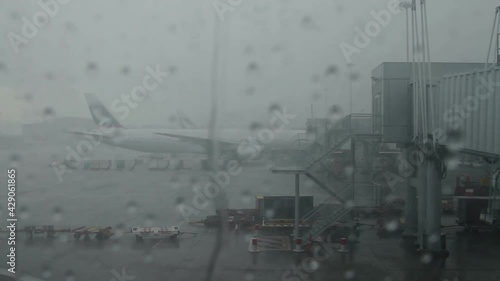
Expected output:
(349, 65)
(406, 6)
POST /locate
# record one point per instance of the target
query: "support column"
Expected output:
(411, 207)
(411, 214)
(433, 206)
(421, 192)
(296, 230)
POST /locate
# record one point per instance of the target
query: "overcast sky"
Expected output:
(272, 52)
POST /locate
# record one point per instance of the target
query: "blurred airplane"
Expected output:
(242, 144)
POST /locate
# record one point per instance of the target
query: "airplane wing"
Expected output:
(196, 140)
(93, 135)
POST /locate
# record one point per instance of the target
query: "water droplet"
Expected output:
(28, 97)
(174, 178)
(434, 238)
(269, 213)
(390, 198)
(49, 75)
(354, 76)
(391, 226)
(332, 69)
(125, 70)
(246, 197)
(57, 214)
(349, 274)
(249, 276)
(311, 264)
(119, 230)
(172, 69)
(454, 139)
(179, 200)
(148, 258)
(254, 126)
(252, 66)
(349, 204)
(275, 108)
(349, 170)
(71, 27)
(315, 78)
(149, 220)
(48, 114)
(46, 272)
(452, 163)
(250, 91)
(116, 247)
(24, 213)
(63, 238)
(249, 50)
(426, 258)
(92, 66)
(69, 276)
(315, 96)
(448, 189)
(306, 20)
(15, 158)
(3, 67)
(132, 208)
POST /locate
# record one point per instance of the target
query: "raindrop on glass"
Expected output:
(391, 226)
(269, 213)
(57, 214)
(426, 258)
(331, 70)
(131, 208)
(46, 272)
(24, 213)
(69, 275)
(349, 274)
(246, 197)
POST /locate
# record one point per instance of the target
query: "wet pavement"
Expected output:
(123, 199)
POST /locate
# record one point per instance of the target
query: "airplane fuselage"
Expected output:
(148, 140)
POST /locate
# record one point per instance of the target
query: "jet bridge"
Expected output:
(448, 110)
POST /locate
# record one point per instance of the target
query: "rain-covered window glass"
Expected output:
(249, 140)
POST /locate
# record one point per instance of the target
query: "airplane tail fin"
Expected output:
(184, 121)
(100, 114)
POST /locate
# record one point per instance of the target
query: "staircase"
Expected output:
(323, 224)
(320, 163)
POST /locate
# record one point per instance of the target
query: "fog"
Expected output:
(271, 52)
(132, 131)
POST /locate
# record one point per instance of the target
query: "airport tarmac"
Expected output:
(123, 199)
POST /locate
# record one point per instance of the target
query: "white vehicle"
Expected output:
(237, 142)
(170, 232)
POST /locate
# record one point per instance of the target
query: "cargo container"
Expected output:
(282, 207)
